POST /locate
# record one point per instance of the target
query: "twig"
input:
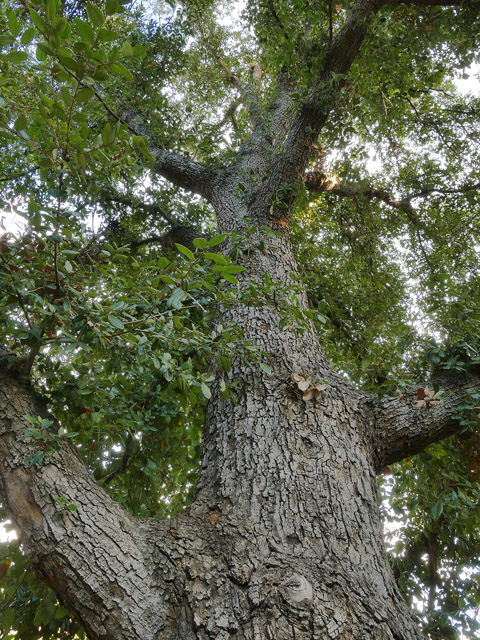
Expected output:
(7, 602)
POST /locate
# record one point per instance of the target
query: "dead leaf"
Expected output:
(302, 380)
(427, 398)
(314, 392)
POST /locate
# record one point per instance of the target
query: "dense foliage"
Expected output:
(107, 303)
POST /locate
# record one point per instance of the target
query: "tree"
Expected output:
(128, 325)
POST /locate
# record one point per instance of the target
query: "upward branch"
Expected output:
(323, 97)
(248, 90)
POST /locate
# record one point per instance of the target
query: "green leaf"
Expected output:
(112, 7)
(107, 35)
(51, 9)
(200, 243)
(116, 322)
(28, 35)
(38, 21)
(217, 239)
(436, 510)
(234, 268)
(127, 50)
(229, 278)
(140, 50)
(176, 298)
(119, 68)
(84, 94)
(108, 134)
(216, 257)
(84, 30)
(185, 251)
(226, 363)
(15, 57)
(13, 24)
(35, 458)
(61, 612)
(266, 368)
(95, 15)
(206, 391)
(7, 617)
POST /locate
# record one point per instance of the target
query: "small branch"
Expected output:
(248, 91)
(434, 3)
(151, 208)
(17, 293)
(21, 174)
(326, 182)
(433, 567)
(277, 19)
(178, 234)
(330, 23)
(428, 191)
(122, 465)
(230, 115)
(27, 367)
(178, 169)
(10, 598)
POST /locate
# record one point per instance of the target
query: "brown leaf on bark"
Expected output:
(427, 398)
(314, 392)
(302, 380)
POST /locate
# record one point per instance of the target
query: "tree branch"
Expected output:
(326, 182)
(153, 209)
(248, 90)
(179, 233)
(430, 3)
(277, 19)
(404, 429)
(290, 166)
(178, 169)
(94, 553)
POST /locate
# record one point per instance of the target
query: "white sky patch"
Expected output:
(469, 81)
(6, 533)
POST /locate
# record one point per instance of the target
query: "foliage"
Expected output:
(117, 329)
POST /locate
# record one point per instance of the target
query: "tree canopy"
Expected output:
(109, 298)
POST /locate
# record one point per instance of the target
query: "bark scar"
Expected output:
(18, 496)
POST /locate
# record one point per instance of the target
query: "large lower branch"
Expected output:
(85, 545)
(406, 425)
(178, 169)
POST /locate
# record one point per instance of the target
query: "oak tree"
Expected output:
(246, 286)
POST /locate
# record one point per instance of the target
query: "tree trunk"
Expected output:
(284, 539)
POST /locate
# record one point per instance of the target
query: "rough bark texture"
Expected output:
(284, 539)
